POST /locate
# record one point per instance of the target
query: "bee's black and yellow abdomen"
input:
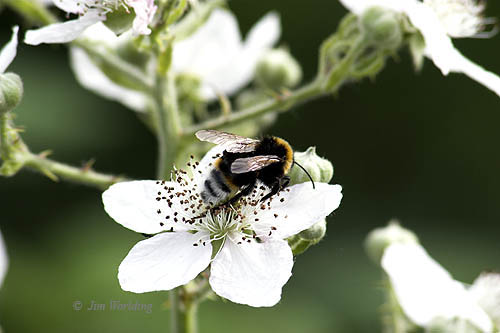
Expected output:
(217, 186)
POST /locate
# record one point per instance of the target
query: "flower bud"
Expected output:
(379, 239)
(382, 27)
(314, 233)
(302, 241)
(320, 169)
(278, 69)
(11, 91)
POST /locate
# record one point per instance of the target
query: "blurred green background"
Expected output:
(419, 147)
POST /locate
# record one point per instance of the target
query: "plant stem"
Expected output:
(183, 311)
(322, 85)
(169, 126)
(176, 321)
(166, 114)
(4, 136)
(55, 170)
(191, 317)
(281, 103)
(16, 155)
(341, 71)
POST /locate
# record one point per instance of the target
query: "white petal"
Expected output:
(486, 291)
(302, 207)
(163, 262)
(439, 47)
(144, 13)
(91, 77)
(216, 54)
(209, 52)
(9, 51)
(241, 69)
(252, 273)
(71, 6)
(135, 206)
(263, 35)
(4, 261)
(102, 34)
(460, 64)
(63, 32)
(426, 291)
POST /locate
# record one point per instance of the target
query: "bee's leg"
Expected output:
(244, 192)
(274, 189)
(285, 180)
(147, 235)
(280, 184)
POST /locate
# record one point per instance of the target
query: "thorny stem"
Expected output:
(281, 103)
(83, 175)
(16, 155)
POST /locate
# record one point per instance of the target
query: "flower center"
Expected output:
(180, 204)
(462, 18)
(221, 221)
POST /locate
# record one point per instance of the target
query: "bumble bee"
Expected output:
(243, 162)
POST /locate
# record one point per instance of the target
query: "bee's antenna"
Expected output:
(307, 173)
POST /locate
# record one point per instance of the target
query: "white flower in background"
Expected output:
(427, 293)
(8, 52)
(437, 21)
(254, 261)
(92, 78)
(91, 12)
(217, 55)
(214, 53)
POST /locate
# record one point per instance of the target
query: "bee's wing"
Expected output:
(231, 142)
(254, 163)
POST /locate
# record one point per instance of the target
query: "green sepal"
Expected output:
(119, 20)
(320, 169)
(416, 44)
